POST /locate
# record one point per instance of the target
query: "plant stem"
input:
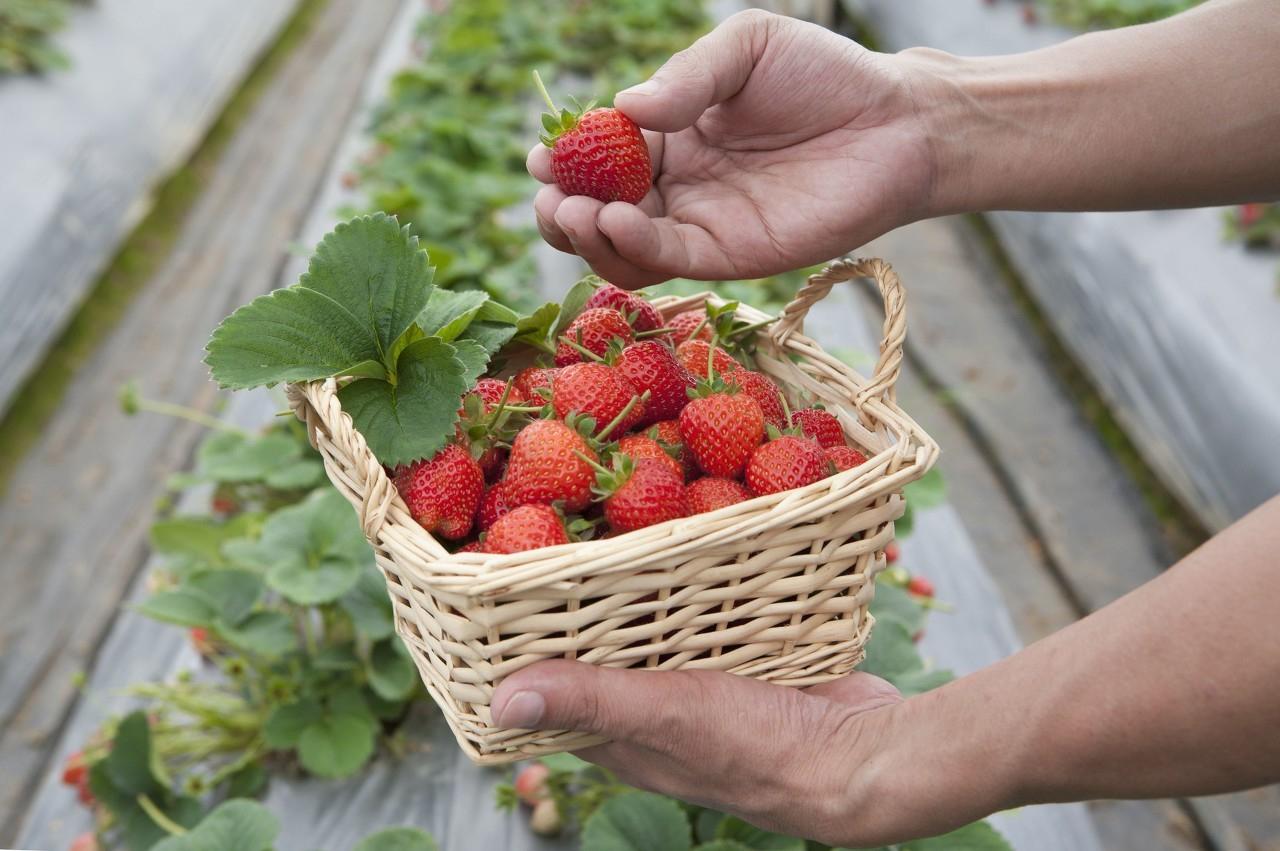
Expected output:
(157, 815)
(182, 412)
(581, 349)
(542, 90)
(622, 415)
(656, 332)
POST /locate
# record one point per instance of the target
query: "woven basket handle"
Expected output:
(889, 364)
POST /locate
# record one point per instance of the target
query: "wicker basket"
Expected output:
(774, 588)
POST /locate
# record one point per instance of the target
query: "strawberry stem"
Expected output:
(598, 467)
(622, 415)
(656, 332)
(542, 90)
(754, 326)
(581, 349)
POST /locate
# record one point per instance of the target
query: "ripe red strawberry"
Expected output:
(768, 396)
(641, 446)
(477, 427)
(785, 463)
(652, 366)
(920, 586)
(442, 491)
(819, 425)
(694, 354)
(593, 330)
(642, 493)
(684, 324)
(597, 390)
(74, 769)
(493, 505)
(471, 547)
(721, 430)
(544, 467)
(642, 315)
(845, 457)
(891, 552)
(490, 390)
(534, 379)
(712, 493)
(596, 152)
(667, 433)
(531, 783)
(526, 528)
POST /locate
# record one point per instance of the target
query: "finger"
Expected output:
(545, 204)
(710, 71)
(860, 691)
(539, 162)
(576, 217)
(662, 246)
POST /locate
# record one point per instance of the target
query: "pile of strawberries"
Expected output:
(638, 422)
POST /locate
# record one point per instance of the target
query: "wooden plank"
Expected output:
(73, 523)
(83, 147)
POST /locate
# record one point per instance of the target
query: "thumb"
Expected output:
(639, 706)
(710, 71)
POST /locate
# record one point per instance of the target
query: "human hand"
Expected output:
(799, 762)
(776, 144)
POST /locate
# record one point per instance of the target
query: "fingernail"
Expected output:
(646, 89)
(523, 710)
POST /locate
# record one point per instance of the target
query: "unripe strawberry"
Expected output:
(531, 783)
(599, 391)
(768, 395)
(712, 493)
(545, 818)
(845, 457)
(642, 315)
(593, 330)
(785, 463)
(652, 366)
(820, 426)
(443, 491)
(640, 446)
(528, 527)
(642, 493)
(721, 430)
(684, 324)
(694, 354)
(545, 467)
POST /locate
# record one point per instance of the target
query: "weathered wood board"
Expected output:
(84, 147)
(1176, 327)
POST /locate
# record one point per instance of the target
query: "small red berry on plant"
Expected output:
(600, 153)
(74, 769)
(442, 491)
(711, 494)
(785, 463)
(528, 527)
(531, 783)
(891, 552)
(593, 330)
(200, 641)
(920, 586)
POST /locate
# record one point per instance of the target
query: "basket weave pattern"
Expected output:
(774, 588)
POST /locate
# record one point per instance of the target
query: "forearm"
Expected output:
(1178, 113)
(1172, 690)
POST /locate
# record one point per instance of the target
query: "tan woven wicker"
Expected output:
(775, 588)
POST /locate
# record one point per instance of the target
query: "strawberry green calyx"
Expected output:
(610, 479)
(557, 121)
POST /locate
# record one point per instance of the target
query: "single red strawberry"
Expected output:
(642, 315)
(652, 366)
(1251, 214)
(768, 395)
(845, 457)
(200, 641)
(685, 323)
(721, 429)
(74, 769)
(442, 491)
(528, 527)
(481, 426)
(531, 783)
(599, 391)
(891, 552)
(493, 505)
(544, 467)
(920, 586)
(667, 433)
(819, 425)
(600, 153)
(785, 463)
(695, 354)
(490, 391)
(593, 330)
(533, 381)
(639, 446)
(712, 493)
(641, 493)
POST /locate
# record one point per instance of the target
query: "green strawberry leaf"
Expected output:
(239, 823)
(266, 634)
(285, 723)
(231, 592)
(336, 745)
(637, 821)
(197, 538)
(413, 418)
(248, 782)
(927, 491)
(180, 607)
(128, 764)
(564, 763)
(449, 312)
(491, 335)
(979, 836)
(891, 653)
(369, 607)
(398, 839)
(893, 602)
(727, 845)
(366, 284)
(573, 302)
(391, 673)
(298, 475)
(739, 832)
(474, 356)
(231, 457)
(497, 313)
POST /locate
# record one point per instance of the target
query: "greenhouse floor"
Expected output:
(1042, 524)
